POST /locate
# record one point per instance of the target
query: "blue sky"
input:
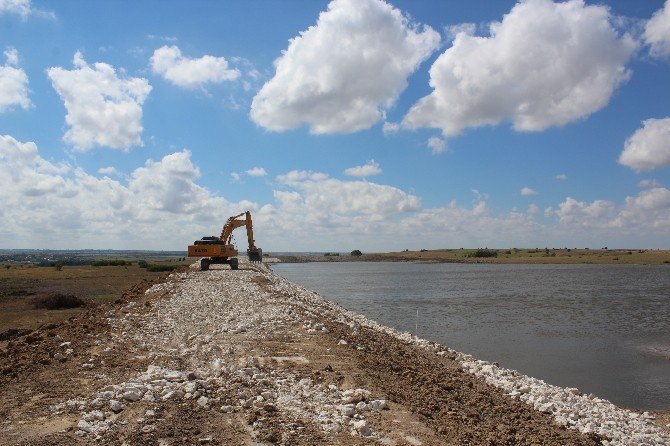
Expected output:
(139, 123)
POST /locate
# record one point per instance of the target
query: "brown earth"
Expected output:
(21, 286)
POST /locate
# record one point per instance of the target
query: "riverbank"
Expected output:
(503, 256)
(237, 357)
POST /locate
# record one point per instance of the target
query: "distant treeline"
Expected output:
(65, 262)
(483, 253)
(110, 262)
(153, 267)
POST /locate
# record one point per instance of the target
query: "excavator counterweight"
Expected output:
(220, 250)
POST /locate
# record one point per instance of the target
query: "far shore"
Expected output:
(507, 256)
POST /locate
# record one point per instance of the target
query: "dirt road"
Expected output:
(246, 358)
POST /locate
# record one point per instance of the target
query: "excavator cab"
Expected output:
(220, 250)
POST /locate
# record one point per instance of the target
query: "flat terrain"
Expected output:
(22, 286)
(535, 255)
(245, 357)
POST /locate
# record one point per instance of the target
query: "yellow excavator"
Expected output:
(220, 250)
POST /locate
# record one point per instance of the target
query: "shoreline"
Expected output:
(500, 256)
(233, 356)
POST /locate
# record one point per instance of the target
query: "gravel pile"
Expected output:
(203, 320)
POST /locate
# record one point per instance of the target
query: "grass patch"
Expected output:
(483, 253)
(156, 268)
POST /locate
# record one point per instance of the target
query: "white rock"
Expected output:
(85, 426)
(361, 406)
(115, 406)
(132, 395)
(95, 415)
(362, 428)
(97, 403)
(175, 376)
(203, 401)
(377, 405)
(347, 410)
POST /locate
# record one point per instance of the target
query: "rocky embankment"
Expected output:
(246, 357)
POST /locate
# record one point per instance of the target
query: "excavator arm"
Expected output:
(255, 254)
(231, 224)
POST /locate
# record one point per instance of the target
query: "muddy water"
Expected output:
(602, 328)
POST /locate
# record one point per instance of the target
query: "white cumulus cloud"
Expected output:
(650, 209)
(366, 170)
(12, 56)
(561, 177)
(526, 191)
(20, 7)
(13, 83)
(545, 64)
(169, 184)
(256, 172)
(26, 174)
(23, 8)
(648, 183)
(581, 213)
(437, 144)
(390, 128)
(455, 225)
(339, 75)
(103, 109)
(187, 72)
(649, 147)
(330, 198)
(161, 206)
(657, 32)
(109, 170)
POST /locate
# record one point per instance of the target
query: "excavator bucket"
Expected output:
(255, 255)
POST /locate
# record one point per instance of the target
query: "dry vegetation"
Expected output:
(27, 292)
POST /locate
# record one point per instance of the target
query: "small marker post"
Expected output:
(416, 326)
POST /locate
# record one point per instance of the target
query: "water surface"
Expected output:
(602, 328)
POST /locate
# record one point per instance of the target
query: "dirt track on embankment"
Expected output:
(244, 357)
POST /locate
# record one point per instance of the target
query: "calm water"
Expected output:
(602, 328)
